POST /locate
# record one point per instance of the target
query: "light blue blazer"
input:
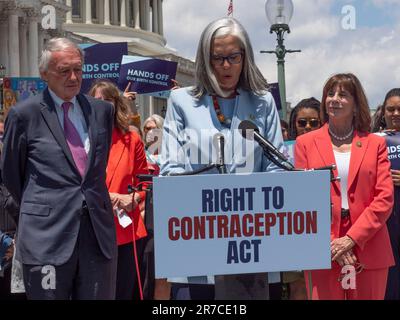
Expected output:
(188, 132)
(191, 124)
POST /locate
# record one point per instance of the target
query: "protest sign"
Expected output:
(393, 147)
(232, 224)
(102, 61)
(147, 75)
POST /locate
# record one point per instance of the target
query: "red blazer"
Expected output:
(126, 160)
(370, 191)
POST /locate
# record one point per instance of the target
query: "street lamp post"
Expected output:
(279, 13)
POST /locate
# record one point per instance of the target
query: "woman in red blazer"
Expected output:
(361, 202)
(126, 160)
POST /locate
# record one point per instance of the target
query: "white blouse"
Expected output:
(343, 164)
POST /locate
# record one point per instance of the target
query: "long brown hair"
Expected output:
(350, 83)
(112, 94)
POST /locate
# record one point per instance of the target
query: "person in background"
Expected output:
(6, 249)
(126, 160)
(1, 127)
(387, 120)
(378, 121)
(304, 117)
(285, 130)
(9, 212)
(229, 88)
(363, 199)
(152, 134)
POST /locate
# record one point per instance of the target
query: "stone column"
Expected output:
(160, 18)
(155, 16)
(147, 15)
(136, 13)
(107, 12)
(128, 14)
(33, 47)
(69, 13)
(23, 45)
(123, 14)
(4, 45)
(115, 12)
(88, 12)
(42, 36)
(13, 48)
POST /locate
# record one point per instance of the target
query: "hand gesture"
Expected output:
(10, 252)
(395, 177)
(340, 246)
(175, 84)
(347, 258)
(123, 201)
(130, 95)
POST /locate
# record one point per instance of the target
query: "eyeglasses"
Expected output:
(234, 58)
(314, 123)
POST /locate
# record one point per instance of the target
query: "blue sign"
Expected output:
(393, 147)
(148, 76)
(102, 61)
(249, 223)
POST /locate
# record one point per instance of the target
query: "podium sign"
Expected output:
(236, 224)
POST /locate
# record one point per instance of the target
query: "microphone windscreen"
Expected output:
(247, 125)
(216, 138)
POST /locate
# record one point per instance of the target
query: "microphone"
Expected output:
(219, 144)
(264, 143)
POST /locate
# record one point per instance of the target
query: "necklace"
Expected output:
(341, 138)
(221, 117)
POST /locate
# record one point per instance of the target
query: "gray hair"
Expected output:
(158, 120)
(251, 78)
(54, 45)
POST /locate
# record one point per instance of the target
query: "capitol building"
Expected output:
(25, 25)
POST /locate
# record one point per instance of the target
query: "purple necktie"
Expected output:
(74, 141)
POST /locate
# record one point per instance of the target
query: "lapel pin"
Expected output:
(359, 144)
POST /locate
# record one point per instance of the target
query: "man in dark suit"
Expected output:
(54, 159)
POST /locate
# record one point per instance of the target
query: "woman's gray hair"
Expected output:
(158, 120)
(54, 45)
(251, 78)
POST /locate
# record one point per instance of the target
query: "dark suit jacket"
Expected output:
(40, 173)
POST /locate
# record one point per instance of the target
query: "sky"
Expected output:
(330, 39)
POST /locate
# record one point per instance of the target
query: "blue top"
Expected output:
(191, 124)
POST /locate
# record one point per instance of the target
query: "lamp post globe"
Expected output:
(279, 11)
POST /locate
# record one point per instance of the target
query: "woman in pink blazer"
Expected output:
(361, 202)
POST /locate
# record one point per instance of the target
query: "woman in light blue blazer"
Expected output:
(229, 88)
